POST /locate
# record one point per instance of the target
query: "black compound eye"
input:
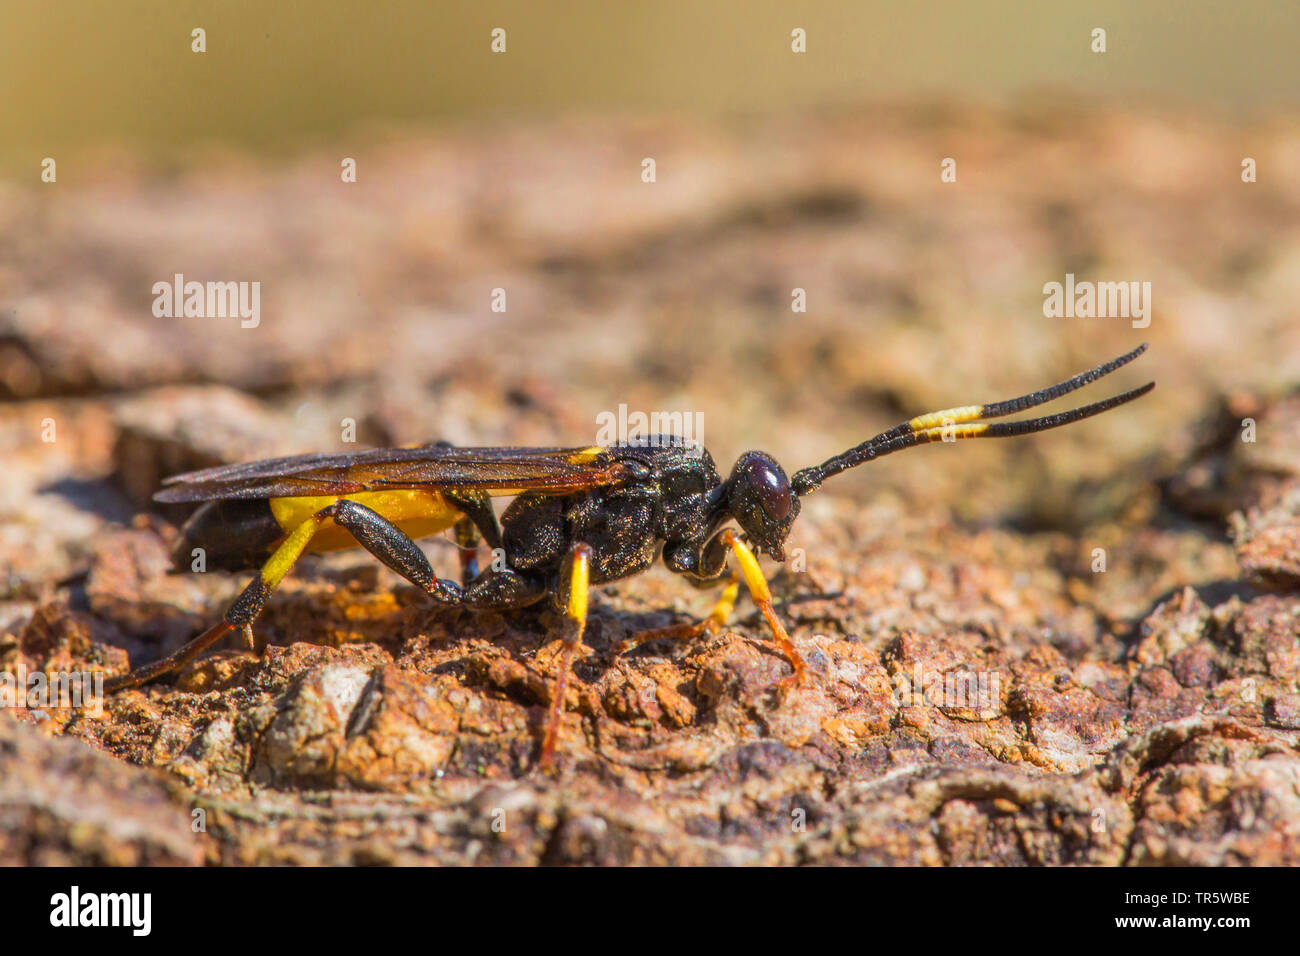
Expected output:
(772, 488)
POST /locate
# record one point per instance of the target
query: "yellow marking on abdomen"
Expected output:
(418, 512)
(963, 413)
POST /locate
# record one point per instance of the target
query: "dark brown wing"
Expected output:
(500, 470)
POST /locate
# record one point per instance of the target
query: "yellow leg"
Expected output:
(578, 585)
(240, 615)
(285, 556)
(762, 595)
(716, 620)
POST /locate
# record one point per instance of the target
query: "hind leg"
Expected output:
(372, 531)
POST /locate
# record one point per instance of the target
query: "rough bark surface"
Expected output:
(1079, 648)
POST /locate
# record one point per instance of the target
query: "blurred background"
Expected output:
(522, 171)
(276, 75)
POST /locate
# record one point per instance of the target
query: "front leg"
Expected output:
(762, 595)
(708, 564)
(715, 622)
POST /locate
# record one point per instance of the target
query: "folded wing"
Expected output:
(495, 470)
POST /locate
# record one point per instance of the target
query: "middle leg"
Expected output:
(574, 590)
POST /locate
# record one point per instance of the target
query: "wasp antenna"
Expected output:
(968, 421)
(1043, 396)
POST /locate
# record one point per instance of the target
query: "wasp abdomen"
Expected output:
(234, 535)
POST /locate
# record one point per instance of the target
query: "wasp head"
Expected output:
(759, 497)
